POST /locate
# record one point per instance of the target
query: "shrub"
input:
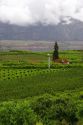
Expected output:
(41, 106)
(64, 110)
(55, 111)
(17, 114)
(80, 112)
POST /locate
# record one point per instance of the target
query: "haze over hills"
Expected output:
(41, 37)
(61, 32)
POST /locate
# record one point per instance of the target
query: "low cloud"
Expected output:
(31, 12)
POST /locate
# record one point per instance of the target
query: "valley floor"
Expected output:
(24, 75)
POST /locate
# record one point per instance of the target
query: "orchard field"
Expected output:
(24, 76)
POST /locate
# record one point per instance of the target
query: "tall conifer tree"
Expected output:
(55, 53)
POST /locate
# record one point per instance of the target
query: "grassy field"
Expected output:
(19, 84)
(25, 74)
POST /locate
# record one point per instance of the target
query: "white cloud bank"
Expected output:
(30, 12)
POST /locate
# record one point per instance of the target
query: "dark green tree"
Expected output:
(64, 111)
(55, 53)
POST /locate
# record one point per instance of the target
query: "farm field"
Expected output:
(20, 84)
(24, 75)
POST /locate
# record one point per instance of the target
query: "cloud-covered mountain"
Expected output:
(41, 20)
(30, 12)
(62, 32)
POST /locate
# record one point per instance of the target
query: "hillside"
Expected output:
(62, 32)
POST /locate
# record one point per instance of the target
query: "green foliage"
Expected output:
(46, 109)
(55, 53)
(25, 74)
(16, 114)
(58, 109)
(80, 108)
(42, 105)
(64, 109)
(22, 83)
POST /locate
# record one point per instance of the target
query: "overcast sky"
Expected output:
(30, 12)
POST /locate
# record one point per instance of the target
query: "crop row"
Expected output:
(21, 73)
(39, 82)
